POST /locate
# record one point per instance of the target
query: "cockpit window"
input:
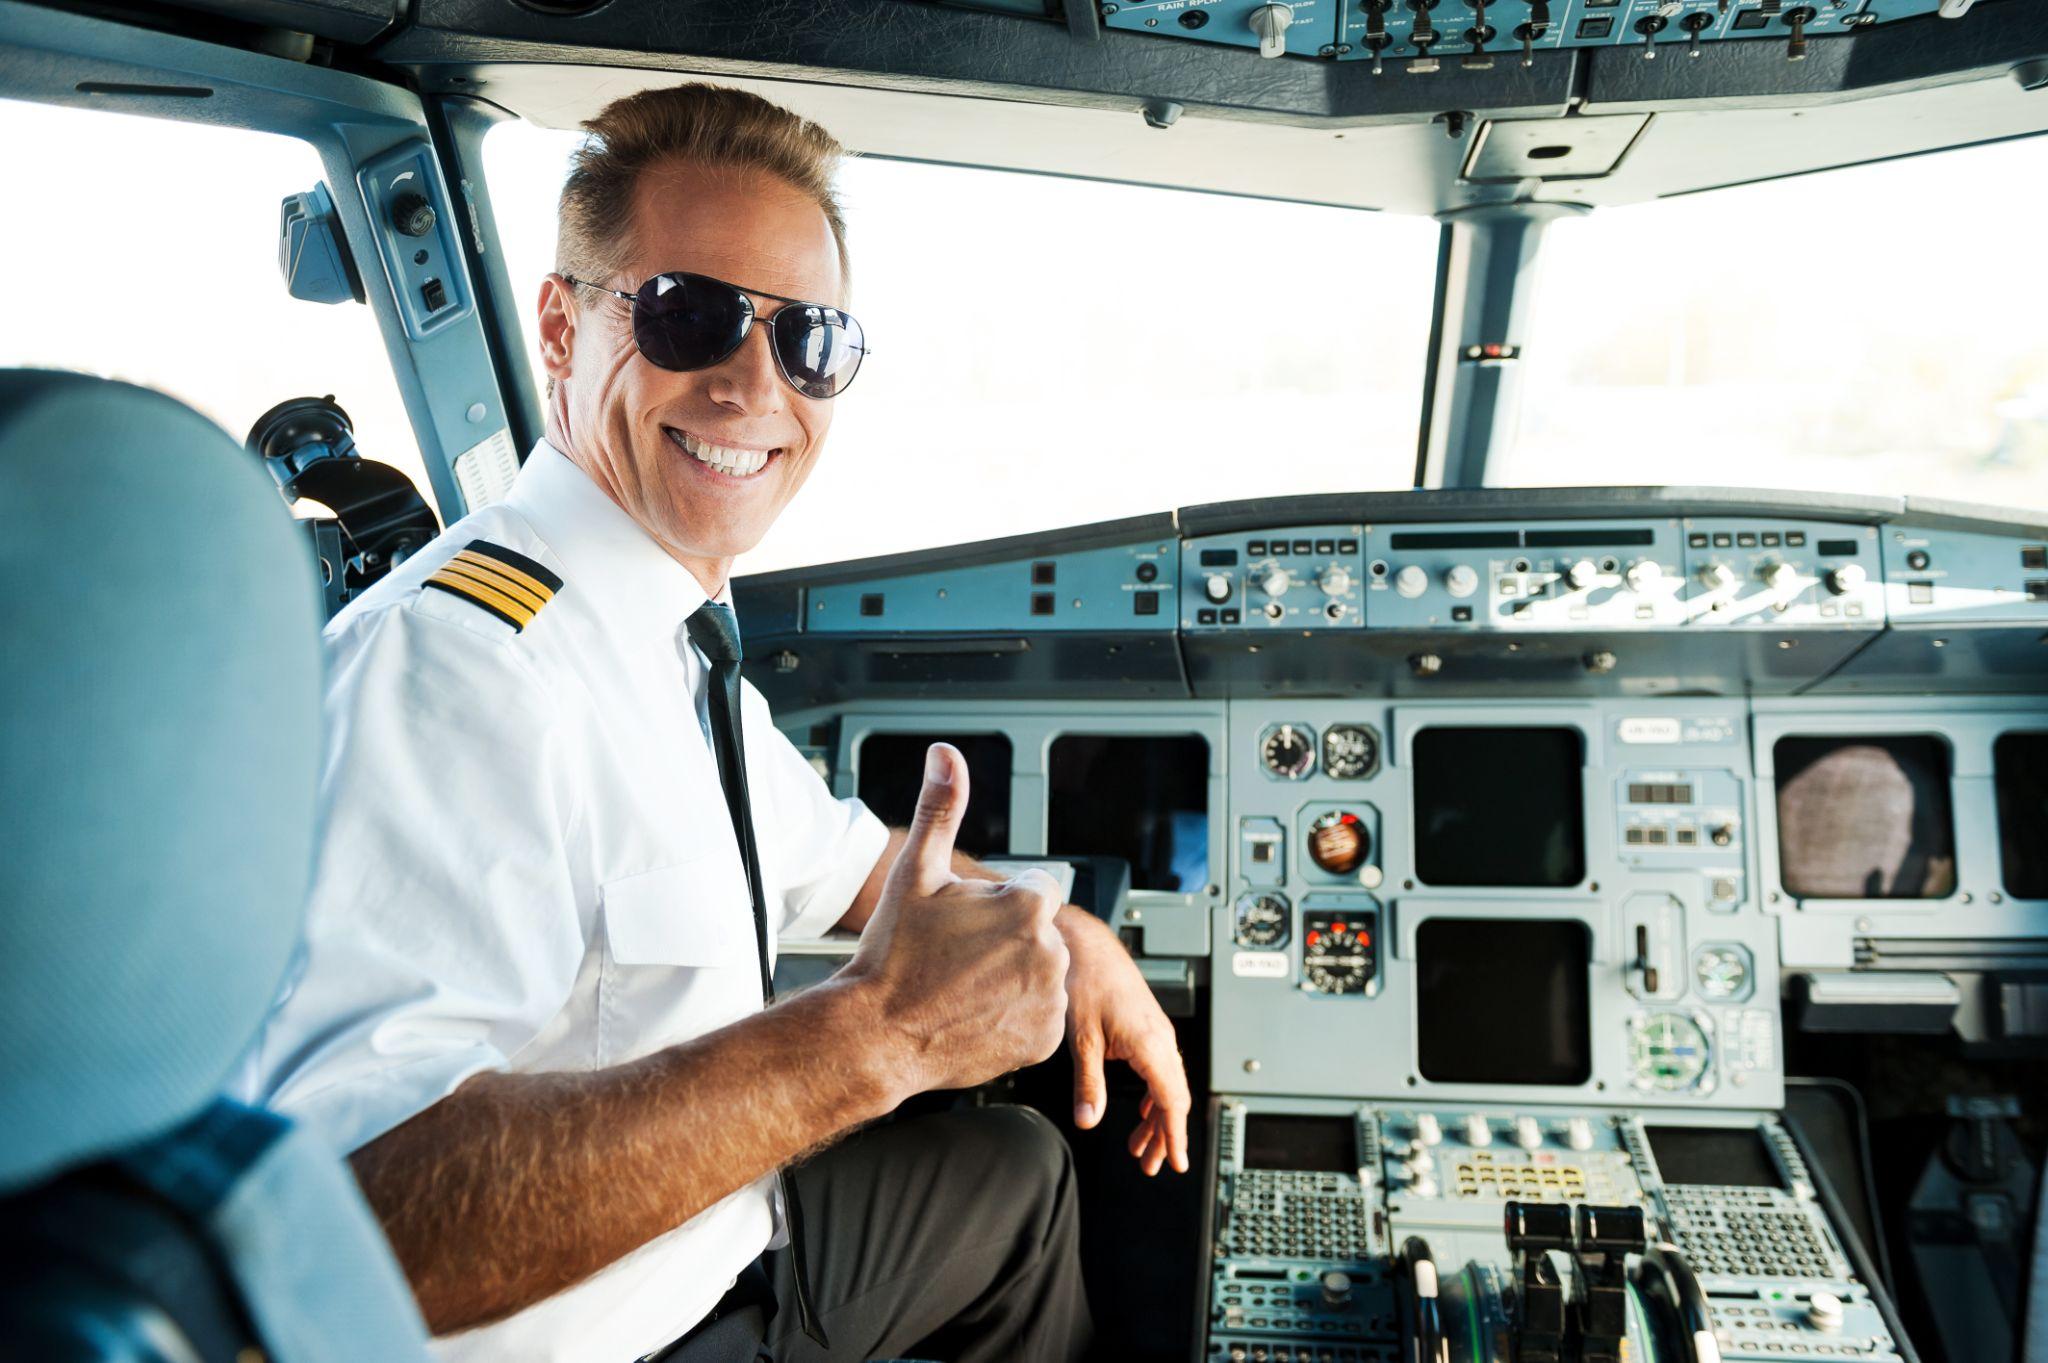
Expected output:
(146, 250)
(1051, 351)
(1876, 329)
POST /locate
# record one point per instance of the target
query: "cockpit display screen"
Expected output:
(1714, 1156)
(1317, 1145)
(2021, 762)
(1499, 807)
(1142, 797)
(892, 774)
(1865, 817)
(1503, 1001)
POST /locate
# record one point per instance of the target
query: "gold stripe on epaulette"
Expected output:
(458, 582)
(502, 581)
(510, 581)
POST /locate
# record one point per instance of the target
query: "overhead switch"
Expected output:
(1217, 587)
(1270, 23)
(1845, 579)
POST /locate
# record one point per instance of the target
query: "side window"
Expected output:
(146, 251)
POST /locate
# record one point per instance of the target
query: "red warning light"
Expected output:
(1336, 927)
(1314, 937)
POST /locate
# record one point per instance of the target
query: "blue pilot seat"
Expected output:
(160, 736)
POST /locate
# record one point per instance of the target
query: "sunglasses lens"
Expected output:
(820, 348)
(684, 321)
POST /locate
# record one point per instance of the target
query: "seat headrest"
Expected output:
(159, 739)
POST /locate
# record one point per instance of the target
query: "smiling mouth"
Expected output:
(729, 460)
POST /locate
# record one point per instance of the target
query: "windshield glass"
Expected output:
(1050, 352)
(1881, 329)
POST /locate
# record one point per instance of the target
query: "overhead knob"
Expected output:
(1336, 1287)
(1824, 1312)
(1779, 576)
(1717, 576)
(1271, 23)
(1578, 1133)
(1460, 580)
(1411, 581)
(1528, 1134)
(1478, 1132)
(1643, 574)
(1428, 1131)
(1421, 1164)
(1845, 579)
(1581, 575)
(1217, 587)
(412, 215)
(1274, 582)
(1334, 580)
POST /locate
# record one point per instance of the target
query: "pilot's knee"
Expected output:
(1036, 1165)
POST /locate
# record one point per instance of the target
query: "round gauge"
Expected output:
(1668, 1052)
(1336, 957)
(1288, 751)
(1338, 842)
(1721, 972)
(1351, 752)
(1263, 921)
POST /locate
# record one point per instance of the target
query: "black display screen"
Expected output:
(2021, 761)
(1865, 817)
(1714, 1156)
(1499, 807)
(892, 773)
(1503, 1001)
(1142, 798)
(1321, 1145)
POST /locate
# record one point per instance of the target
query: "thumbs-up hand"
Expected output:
(969, 975)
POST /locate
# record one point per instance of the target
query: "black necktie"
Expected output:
(714, 630)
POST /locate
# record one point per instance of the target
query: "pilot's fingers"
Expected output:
(1041, 889)
(1141, 1137)
(1158, 1063)
(1089, 1095)
(926, 861)
(1154, 1153)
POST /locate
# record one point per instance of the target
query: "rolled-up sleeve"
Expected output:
(443, 930)
(817, 849)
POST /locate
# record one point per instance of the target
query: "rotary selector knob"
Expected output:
(1779, 576)
(1271, 23)
(1274, 582)
(1581, 575)
(1643, 574)
(1845, 579)
(1478, 1132)
(1428, 1131)
(1717, 577)
(1460, 580)
(1336, 1287)
(412, 215)
(1411, 582)
(1528, 1134)
(1824, 1312)
(1578, 1134)
(1217, 587)
(1335, 581)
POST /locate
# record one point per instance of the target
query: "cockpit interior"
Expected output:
(1499, 546)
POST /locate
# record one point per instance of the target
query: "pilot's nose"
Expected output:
(748, 380)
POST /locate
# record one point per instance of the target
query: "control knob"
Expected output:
(1528, 1134)
(1578, 1133)
(1824, 1312)
(1460, 580)
(1217, 587)
(1428, 1131)
(1271, 23)
(1581, 575)
(1478, 1132)
(1643, 574)
(412, 215)
(1845, 579)
(1274, 582)
(1717, 576)
(1334, 580)
(1779, 576)
(1411, 581)
(1336, 1287)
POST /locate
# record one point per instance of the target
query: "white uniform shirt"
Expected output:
(526, 863)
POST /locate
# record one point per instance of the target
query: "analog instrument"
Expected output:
(1351, 752)
(1338, 953)
(1338, 842)
(1721, 972)
(1263, 921)
(1668, 1052)
(1288, 751)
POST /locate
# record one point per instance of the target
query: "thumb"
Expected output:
(926, 861)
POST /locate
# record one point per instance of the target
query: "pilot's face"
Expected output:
(633, 424)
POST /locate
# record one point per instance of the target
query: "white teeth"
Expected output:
(739, 463)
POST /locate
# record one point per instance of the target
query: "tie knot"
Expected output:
(714, 629)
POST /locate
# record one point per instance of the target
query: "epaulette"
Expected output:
(502, 581)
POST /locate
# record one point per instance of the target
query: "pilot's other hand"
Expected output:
(1112, 1015)
(968, 975)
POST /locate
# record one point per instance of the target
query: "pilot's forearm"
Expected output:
(517, 1186)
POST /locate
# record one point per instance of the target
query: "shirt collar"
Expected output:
(621, 570)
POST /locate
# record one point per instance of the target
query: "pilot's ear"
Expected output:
(557, 325)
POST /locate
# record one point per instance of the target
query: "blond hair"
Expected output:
(713, 126)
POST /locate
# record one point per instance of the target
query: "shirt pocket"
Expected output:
(693, 913)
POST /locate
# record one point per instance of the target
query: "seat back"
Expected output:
(159, 744)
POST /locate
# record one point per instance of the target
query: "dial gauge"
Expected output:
(1722, 972)
(1338, 842)
(1288, 751)
(1668, 1052)
(1263, 921)
(1351, 752)
(1337, 953)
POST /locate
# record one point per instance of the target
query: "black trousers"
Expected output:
(953, 1238)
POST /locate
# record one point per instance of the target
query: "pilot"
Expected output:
(561, 837)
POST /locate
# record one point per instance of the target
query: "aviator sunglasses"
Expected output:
(685, 321)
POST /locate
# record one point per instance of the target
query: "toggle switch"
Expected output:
(1798, 19)
(1694, 24)
(1479, 35)
(1270, 23)
(1425, 32)
(1650, 25)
